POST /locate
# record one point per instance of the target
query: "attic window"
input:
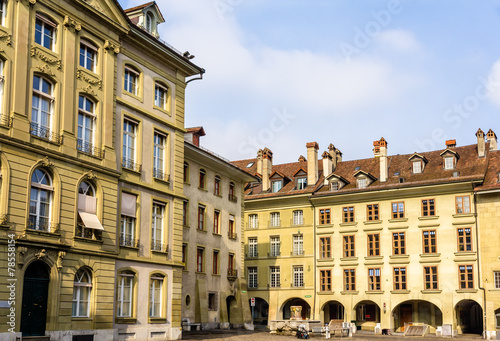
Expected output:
(149, 22)
(301, 183)
(335, 186)
(396, 174)
(449, 162)
(250, 164)
(357, 168)
(417, 167)
(401, 180)
(456, 174)
(361, 183)
(276, 186)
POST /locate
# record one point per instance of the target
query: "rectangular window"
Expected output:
(275, 277)
(298, 245)
(298, 276)
(348, 213)
(44, 32)
(275, 186)
(125, 295)
(361, 183)
(298, 218)
(212, 301)
(159, 156)
(400, 278)
(201, 180)
(462, 204)
(155, 294)
(252, 277)
(372, 212)
(373, 244)
(374, 279)
(217, 185)
(430, 278)
(348, 246)
(275, 219)
(130, 79)
(215, 262)
(334, 186)
(417, 167)
(464, 239)
(129, 138)
(160, 96)
(429, 241)
(496, 275)
(157, 228)
(127, 233)
(253, 221)
(41, 110)
(184, 256)
(466, 277)
(325, 247)
(231, 233)
(301, 183)
(216, 221)
(252, 247)
(88, 54)
(349, 279)
(428, 208)
(200, 259)
(275, 247)
(201, 217)
(325, 280)
(398, 210)
(185, 207)
(398, 243)
(448, 163)
(324, 216)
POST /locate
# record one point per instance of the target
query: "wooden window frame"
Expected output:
(202, 179)
(350, 279)
(398, 244)
(217, 181)
(462, 197)
(374, 281)
(324, 216)
(372, 248)
(325, 280)
(429, 238)
(426, 208)
(216, 222)
(429, 282)
(462, 239)
(325, 248)
(216, 262)
(398, 279)
(348, 215)
(202, 210)
(397, 213)
(200, 266)
(349, 246)
(372, 212)
(466, 272)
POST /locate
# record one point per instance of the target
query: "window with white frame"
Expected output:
(417, 167)
(125, 294)
(275, 219)
(276, 186)
(157, 227)
(130, 80)
(149, 22)
(298, 217)
(40, 200)
(253, 221)
(252, 277)
(2, 82)
(298, 276)
(335, 186)
(155, 295)
(86, 119)
(252, 247)
(127, 225)
(82, 286)
(88, 55)
(275, 246)
(41, 107)
(3, 5)
(275, 277)
(361, 183)
(301, 183)
(88, 224)
(44, 32)
(298, 245)
(161, 96)
(129, 140)
(449, 162)
(159, 155)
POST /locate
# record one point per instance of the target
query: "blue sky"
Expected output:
(282, 73)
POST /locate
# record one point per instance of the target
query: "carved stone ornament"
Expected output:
(60, 257)
(36, 53)
(93, 81)
(90, 175)
(45, 69)
(89, 89)
(7, 37)
(68, 22)
(22, 254)
(112, 47)
(41, 254)
(46, 162)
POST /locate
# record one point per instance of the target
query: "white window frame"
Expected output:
(126, 283)
(253, 277)
(86, 145)
(130, 80)
(298, 276)
(43, 97)
(159, 140)
(157, 222)
(298, 245)
(301, 183)
(449, 162)
(275, 246)
(35, 197)
(79, 287)
(298, 217)
(275, 219)
(417, 167)
(88, 48)
(252, 247)
(362, 182)
(253, 221)
(129, 140)
(161, 93)
(274, 280)
(46, 22)
(156, 296)
(276, 185)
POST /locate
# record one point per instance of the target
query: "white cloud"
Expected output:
(493, 83)
(398, 40)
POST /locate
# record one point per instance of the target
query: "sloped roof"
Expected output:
(491, 178)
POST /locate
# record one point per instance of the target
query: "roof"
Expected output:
(491, 179)
(196, 130)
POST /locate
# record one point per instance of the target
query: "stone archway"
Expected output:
(306, 308)
(260, 313)
(367, 315)
(333, 310)
(232, 308)
(417, 311)
(35, 295)
(469, 316)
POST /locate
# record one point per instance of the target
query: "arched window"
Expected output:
(86, 118)
(161, 92)
(156, 295)
(88, 224)
(88, 55)
(125, 297)
(44, 32)
(40, 200)
(82, 286)
(41, 107)
(149, 22)
(2, 82)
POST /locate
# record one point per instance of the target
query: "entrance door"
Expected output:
(35, 292)
(406, 311)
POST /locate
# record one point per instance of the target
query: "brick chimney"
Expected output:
(480, 143)
(327, 165)
(312, 163)
(267, 166)
(380, 151)
(451, 143)
(193, 135)
(491, 137)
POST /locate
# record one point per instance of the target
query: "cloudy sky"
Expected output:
(282, 73)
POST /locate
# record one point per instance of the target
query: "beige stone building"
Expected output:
(214, 289)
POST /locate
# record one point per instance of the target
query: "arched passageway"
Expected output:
(333, 310)
(260, 312)
(306, 308)
(469, 317)
(367, 315)
(416, 311)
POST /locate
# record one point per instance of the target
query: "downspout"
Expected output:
(479, 262)
(314, 257)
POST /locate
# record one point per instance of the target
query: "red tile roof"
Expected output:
(491, 180)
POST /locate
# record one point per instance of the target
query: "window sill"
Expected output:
(463, 215)
(218, 195)
(431, 291)
(325, 292)
(41, 233)
(77, 318)
(134, 96)
(160, 252)
(374, 257)
(216, 275)
(432, 217)
(163, 110)
(430, 255)
(330, 259)
(348, 259)
(216, 234)
(132, 170)
(202, 189)
(129, 247)
(370, 222)
(127, 320)
(352, 223)
(465, 253)
(186, 226)
(374, 292)
(99, 155)
(398, 220)
(349, 292)
(42, 48)
(200, 230)
(324, 225)
(200, 273)
(94, 241)
(165, 181)
(153, 320)
(464, 291)
(405, 292)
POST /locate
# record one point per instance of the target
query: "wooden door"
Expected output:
(406, 312)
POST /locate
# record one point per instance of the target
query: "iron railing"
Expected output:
(41, 224)
(232, 197)
(88, 148)
(158, 174)
(45, 133)
(159, 246)
(130, 164)
(232, 234)
(129, 241)
(232, 273)
(87, 233)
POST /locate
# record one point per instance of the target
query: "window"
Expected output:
(335, 186)
(301, 183)
(2, 12)
(430, 278)
(212, 301)
(127, 223)
(275, 247)
(149, 22)
(348, 246)
(253, 221)
(185, 210)
(361, 183)
(374, 244)
(349, 279)
(131, 78)
(159, 155)
(428, 208)
(325, 247)
(184, 256)
(157, 228)
(417, 167)
(200, 259)
(372, 212)
(275, 219)
(44, 32)
(252, 277)
(324, 216)
(466, 277)
(41, 107)
(155, 296)
(82, 286)
(201, 217)
(429, 240)
(129, 137)
(232, 195)
(215, 262)
(217, 185)
(125, 294)
(88, 224)
(374, 279)
(86, 119)
(398, 210)
(275, 186)
(231, 233)
(449, 163)
(252, 247)
(464, 239)
(400, 278)
(88, 55)
(186, 172)
(398, 243)
(202, 178)
(298, 218)
(40, 200)
(462, 204)
(298, 245)
(298, 276)
(161, 96)
(496, 275)
(231, 271)
(275, 277)
(325, 279)
(216, 222)
(348, 213)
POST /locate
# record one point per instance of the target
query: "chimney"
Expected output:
(339, 155)
(312, 163)
(451, 143)
(267, 166)
(333, 153)
(193, 135)
(480, 143)
(259, 162)
(380, 151)
(327, 165)
(491, 137)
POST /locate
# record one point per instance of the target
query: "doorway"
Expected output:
(35, 293)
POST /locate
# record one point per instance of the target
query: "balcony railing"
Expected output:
(5, 121)
(130, 164)
(158, 246)
(84, 232)
(232, 235)
(88, 148)
(41, 224)
(129, 241)
(232, 273)
(274, 254)
(158, 174)
(253, 254)
(232, 197)
(45, 133)
(297, 253)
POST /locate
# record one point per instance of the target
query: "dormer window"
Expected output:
(276, 186)
(450, 158)
(149, 22)
(417, 167)
(250, 164)
(449, 162)
(301, 183)
(498, 177)
(335, 186)
(361, 183)
(418, 163)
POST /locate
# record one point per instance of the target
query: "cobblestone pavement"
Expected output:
(259, 335)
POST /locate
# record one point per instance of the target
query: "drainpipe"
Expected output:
(314, 257)
(479, 263)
